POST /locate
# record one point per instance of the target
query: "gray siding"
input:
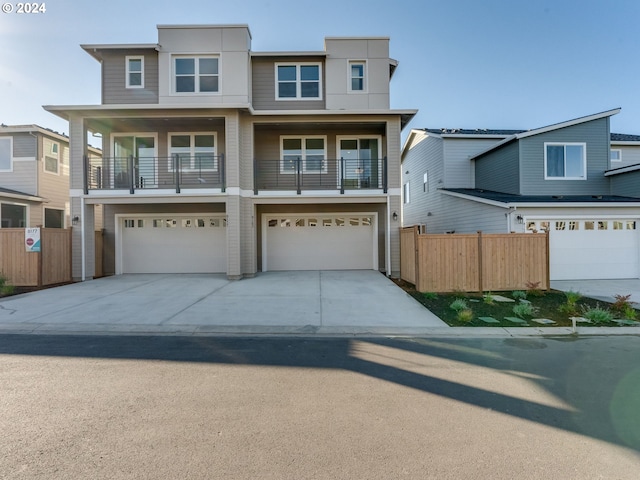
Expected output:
(596, 136)
(114, 78)
(24, 145)
(626, 184)
(466, 216)
(264, 86)
(499, 170)
(424, 157)
(458, 168)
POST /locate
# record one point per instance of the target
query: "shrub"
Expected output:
(488, 298)
(458, 304)
(524, 310)
(572, 297)
(597, 314)
(430, 295)
(630, 313)
(533, 289)
(465, 315)
(519, 295)
(7, 289)
(570, 309)
(622, 303)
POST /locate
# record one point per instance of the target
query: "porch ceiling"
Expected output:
(138, 124)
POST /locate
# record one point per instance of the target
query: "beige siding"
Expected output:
(114, 88)
(264, 86)
(54, 186)
(23, 178)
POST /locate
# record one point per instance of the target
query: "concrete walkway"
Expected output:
(329, 303)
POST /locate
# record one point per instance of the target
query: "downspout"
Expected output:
(82, 241)
(387, 240)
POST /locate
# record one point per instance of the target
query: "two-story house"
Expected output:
(221, 159)
(567, 179)
(34, 177)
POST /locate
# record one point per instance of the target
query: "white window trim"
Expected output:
(197, 84)
(192, 143)
(27, 213)
(619, 155)
(11, 160)
(298, 96)
(565, 144)
(129, 72)
(51, 154)
(304, 159)
(406, 193)
(365, 83)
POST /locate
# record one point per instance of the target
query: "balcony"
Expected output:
(341, 175)
(153, 173)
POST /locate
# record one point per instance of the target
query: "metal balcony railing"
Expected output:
(320, 174)
(145, 173)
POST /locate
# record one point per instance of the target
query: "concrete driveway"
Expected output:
(331, 302)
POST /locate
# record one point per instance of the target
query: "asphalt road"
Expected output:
(108, 407)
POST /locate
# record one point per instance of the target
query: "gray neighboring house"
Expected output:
(218, 158)
(34, 177)
(573, 179)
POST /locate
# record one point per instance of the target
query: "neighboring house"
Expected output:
(573, 179)
(34, 177)
(221, 159)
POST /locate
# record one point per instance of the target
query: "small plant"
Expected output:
(465, 315)
(524, 310)
(459, 304)
(7, 289)
(630, 313)
(597, 314)
(430, 295)
(570, 307)
(622, 303)
(519, 295)
(572, 297)
(488, 298)
(533, 289)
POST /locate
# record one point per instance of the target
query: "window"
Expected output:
(6, 156)
(307, 152)
(196, 75)
(13, 216)
(405, 193)
(196, 151)
(566, 161)
(51, 156)
(357, 79)
(298, 81)
(425, 182)
(135, 72)
(53, 218)
(616, 155)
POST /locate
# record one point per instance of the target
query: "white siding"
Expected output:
(630, 155)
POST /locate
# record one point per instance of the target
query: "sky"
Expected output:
(504, 64)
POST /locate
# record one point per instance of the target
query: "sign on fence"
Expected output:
(32, 239)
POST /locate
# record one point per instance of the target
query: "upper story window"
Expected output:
(135, 72)
(616, 155)
(298, 81)
(6, 154)
(565, 161)
(51, 156)
(357, 76)
(406, 196)
(196, 151)
(196, 74)
(305, 153)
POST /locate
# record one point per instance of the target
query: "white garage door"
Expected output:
(319, 242)
(173, 244)
(593, 249)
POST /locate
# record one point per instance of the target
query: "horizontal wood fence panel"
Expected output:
(475, 262)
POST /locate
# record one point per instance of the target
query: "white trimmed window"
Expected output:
(196, 151)
(51, 156)
(309, 152)
(6, 154)
(616, 155)
(425, 182)
(565, 161)
(298, 81)
(135, 72)
(357, 76)
(406, 198)
(196, 74)
(13, 215)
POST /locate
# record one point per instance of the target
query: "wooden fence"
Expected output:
(474, 262)
(35, 269)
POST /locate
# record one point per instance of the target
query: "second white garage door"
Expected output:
(172, 244)
(319, 242)
(592, 249)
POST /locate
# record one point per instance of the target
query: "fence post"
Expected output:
(547, 261)
(480, 268)
(417, 256)
(40, 262)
